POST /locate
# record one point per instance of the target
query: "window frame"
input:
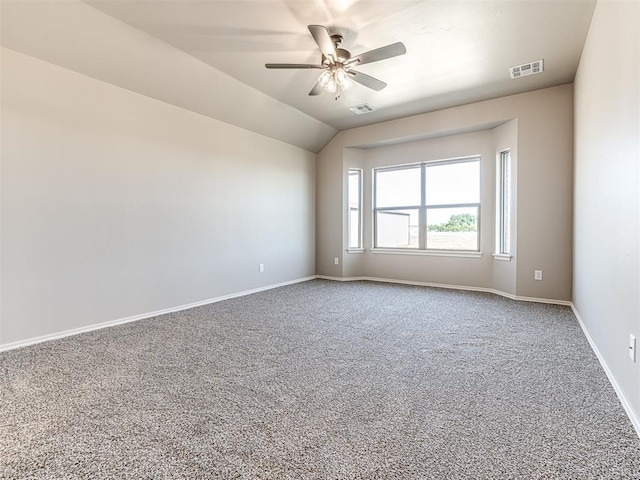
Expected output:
(360, 241)
(423, 208)
(504, 191)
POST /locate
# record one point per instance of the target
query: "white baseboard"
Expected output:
(452, 287)
(633, 416)
(111, 323)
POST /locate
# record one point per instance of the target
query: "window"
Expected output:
(428, 206)
(503, 204)
(355, 208)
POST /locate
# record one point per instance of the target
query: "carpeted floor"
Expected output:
(320, 380)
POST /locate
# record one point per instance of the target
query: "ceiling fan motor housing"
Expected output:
(342, 54)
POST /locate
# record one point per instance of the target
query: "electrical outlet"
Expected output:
(261, 268)
(537, 275)
(632, 348)
(336, 261)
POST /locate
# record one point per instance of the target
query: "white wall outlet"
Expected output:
(537, 275)
(632, 348)
(261, 268)
(336, 261)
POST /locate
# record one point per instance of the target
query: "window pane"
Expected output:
(354, 188)
(398, 188)
(397, 228)
(354, 228)
(452, 228)
(453, 183)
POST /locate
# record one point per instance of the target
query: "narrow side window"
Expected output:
(355, 208)
(503, 214)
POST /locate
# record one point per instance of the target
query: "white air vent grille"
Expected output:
(526, 69)
(361, 109)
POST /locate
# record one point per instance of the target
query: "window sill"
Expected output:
(355, 250)
(502, 257)
(428, 253)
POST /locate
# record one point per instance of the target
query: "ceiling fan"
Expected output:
(337, 63)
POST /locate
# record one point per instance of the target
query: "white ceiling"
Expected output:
(457, 52)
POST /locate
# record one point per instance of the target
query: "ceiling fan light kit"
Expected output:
(335, 79)
(337, 63)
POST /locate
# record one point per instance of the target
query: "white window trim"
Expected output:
(360, 242)
(502, 252)
(422, 210)
(427, 253)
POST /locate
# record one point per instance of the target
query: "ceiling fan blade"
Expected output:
(316, 90)
(291, 65)
(367, 80)
(322, 38)
(378, 54)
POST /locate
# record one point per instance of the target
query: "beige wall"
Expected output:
(114, 204)
(504, 273)
(354, 265)
(543, 136)
(607, 191)
(434, 269)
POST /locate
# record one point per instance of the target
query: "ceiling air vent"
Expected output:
(360, 109)
(526, 69)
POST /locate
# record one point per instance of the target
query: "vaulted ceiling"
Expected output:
(209, 55)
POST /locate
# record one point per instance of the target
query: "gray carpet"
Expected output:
(320, 380)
